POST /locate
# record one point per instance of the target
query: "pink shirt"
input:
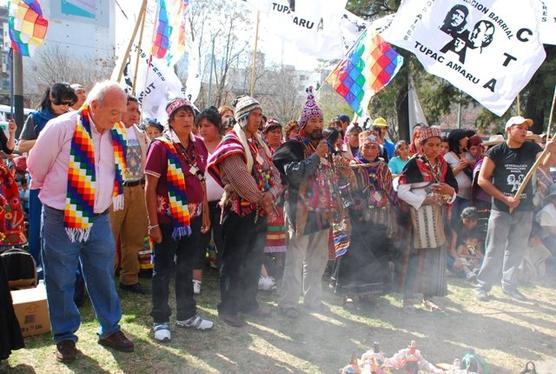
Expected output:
(49, 158)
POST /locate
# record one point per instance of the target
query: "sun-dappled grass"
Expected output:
(506, 333)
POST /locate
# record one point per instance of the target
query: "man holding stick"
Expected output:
(502, 174)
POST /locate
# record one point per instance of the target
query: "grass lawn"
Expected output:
(504, 332)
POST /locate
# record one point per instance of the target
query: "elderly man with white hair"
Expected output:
(77, 163)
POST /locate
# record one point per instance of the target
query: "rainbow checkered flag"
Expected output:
(169, 35)
(368, 67)
(27, 26)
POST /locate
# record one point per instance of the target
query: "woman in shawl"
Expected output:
(363, 269)
(427, 184)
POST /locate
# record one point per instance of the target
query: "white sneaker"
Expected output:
(266, 283)
(196, 322)
(162, 332)
(196, 287)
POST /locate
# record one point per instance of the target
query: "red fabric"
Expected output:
(12, 225)
(157, 163)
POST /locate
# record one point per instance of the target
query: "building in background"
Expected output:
(4, 57)
(82, 28)
(79, 46)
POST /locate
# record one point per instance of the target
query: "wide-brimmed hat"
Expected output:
(534, 137)
(518, 120)
(494, 139)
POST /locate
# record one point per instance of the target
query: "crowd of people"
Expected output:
(281, 206)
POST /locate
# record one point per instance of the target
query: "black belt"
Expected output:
(94, 214)
(133, 183)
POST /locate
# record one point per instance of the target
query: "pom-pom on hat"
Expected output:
(243, 105)
(310, 110)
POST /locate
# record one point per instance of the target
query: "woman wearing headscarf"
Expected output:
(427, 184)
(177, 209)
(362, 270)
(57, 99)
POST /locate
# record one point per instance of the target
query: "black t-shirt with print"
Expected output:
(511, 166)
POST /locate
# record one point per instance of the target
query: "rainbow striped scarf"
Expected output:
(175, 179)
(80, 196)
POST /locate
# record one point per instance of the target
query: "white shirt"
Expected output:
(464, 182)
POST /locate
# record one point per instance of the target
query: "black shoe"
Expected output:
(66, 351)
(117, 341)
(289, 312)
(134, 288)
(514, 294)
(231, 319)
(260, 311)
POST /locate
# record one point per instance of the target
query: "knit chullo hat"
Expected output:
(310, 110)
(426, 133)
(243, 105)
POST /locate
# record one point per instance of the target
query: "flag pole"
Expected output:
(518, 105)
(131, 40)
(254, 67)
(551, 113)
(18, 90)
(143, 16)
(11, 60)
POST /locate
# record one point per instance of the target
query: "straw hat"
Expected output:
(534, 137)
(494, 140)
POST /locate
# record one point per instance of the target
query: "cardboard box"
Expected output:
(31, 310)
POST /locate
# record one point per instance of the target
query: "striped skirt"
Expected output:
(424, 272)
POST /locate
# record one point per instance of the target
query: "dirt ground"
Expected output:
(504, 332)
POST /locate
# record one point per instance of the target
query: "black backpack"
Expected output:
(21, 269)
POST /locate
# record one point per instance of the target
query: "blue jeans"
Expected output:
(506, 242)
(34, 234)
(61, 259)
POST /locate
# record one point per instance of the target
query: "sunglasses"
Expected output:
(63, 102)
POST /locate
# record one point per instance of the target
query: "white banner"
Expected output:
(490, 49)
(313, 27)
(416, 114)
(156, 84)
(547, 14)
(193, 82)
